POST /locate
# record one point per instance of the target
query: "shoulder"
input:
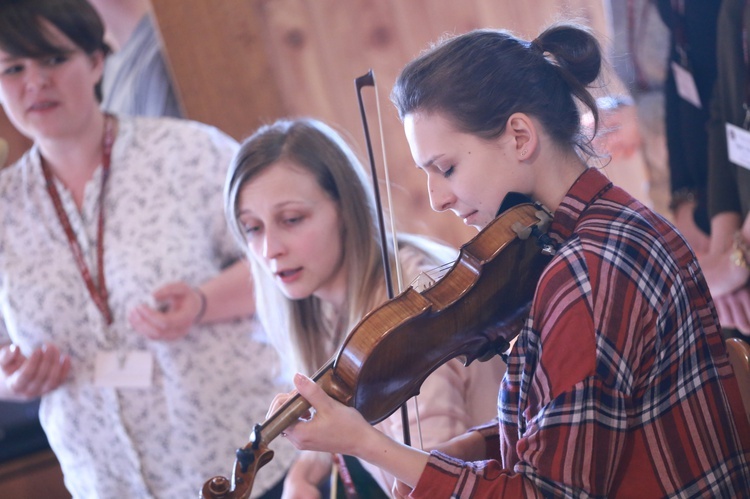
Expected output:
(622, 227)
(13, 176)
(163, 130)
(181, 151)
(617, 242)
(174, 143)
(21, 183)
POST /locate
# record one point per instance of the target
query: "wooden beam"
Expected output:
(219, 63)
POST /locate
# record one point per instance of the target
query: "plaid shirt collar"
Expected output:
(590, 186)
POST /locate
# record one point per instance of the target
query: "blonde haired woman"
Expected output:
(299, 200)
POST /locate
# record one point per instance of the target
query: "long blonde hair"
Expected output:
(298, 328)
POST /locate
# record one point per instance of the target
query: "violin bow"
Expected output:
(256, 453)
(368, 80)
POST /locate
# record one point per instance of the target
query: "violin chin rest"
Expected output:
(521, 230)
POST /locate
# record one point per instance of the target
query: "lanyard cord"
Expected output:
(98, 291)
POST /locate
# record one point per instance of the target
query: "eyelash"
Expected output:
(53, 60)
(12, 70)
(56, 59)
(447, 173)
(251, 230)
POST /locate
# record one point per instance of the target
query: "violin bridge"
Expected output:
(427, 279)
(422, 282)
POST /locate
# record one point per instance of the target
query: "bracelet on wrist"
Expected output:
(204, 303)
(740, 254)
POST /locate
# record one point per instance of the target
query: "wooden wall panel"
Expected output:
(218, 61)
(310, 51)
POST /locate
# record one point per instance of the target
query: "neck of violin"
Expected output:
(297, 407)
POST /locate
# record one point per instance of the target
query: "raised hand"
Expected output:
(26, 378)
(180, 306)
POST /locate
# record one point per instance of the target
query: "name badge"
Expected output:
(738, 145)
(685, 83)
(123, 369)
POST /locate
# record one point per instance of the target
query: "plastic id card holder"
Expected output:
(133, 369)
(738, 145)
(686, 87)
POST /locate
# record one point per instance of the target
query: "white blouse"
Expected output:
(164, 222)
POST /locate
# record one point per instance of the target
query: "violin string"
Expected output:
(433, 275)
(369, 80)
(391, 216)
(439, 272)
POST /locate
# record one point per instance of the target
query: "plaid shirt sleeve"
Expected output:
(619, 384)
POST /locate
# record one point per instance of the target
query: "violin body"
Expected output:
(473, 312)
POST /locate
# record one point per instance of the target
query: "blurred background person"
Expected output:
(136, 77)
(727, 266)
(638, 52)
(690, 79)
(141, 395)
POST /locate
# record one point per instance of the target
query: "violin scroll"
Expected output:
(256, 454)
(249, 460)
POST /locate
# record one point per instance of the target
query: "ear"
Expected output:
(523, 132)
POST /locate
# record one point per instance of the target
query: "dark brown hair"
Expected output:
(479, 79)
(23, 33)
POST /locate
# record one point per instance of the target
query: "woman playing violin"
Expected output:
(299, 201)
(618, 383)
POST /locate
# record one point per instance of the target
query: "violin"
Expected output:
(471, 313)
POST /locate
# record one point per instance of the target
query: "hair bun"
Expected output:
(575, 49)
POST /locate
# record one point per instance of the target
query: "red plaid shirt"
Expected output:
(619, 384)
